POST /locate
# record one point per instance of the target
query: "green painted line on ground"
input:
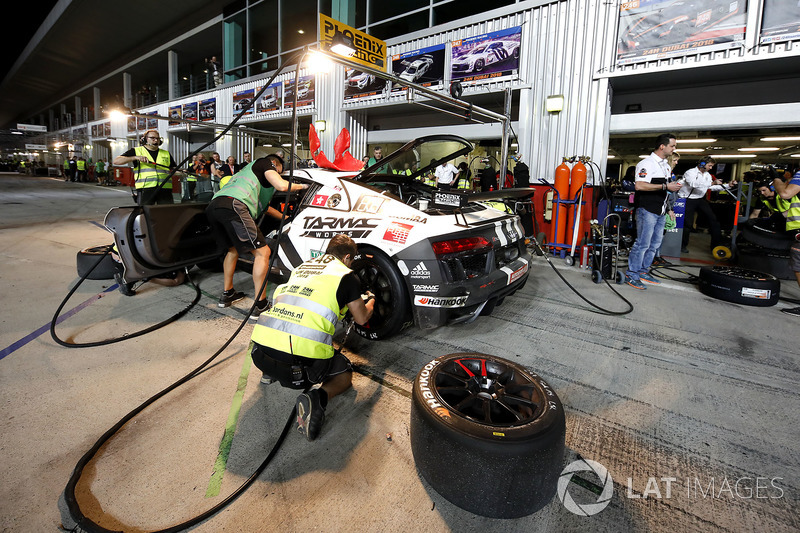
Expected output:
(215, 483)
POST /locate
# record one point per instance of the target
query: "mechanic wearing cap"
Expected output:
(292, 341)
(788, 192)
(233, 212)
(154, 165)
(696, 182)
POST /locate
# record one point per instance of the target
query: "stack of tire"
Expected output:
(762, 247)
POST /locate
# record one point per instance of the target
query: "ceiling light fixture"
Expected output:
(691, 150)
(759, 149)
(733, 156)
(681, 141)
(779, 139)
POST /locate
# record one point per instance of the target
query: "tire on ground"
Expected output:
(87, 258)
(380, 276)
(487, 434)
(739, 285)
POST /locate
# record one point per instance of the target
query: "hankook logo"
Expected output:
(431, 301)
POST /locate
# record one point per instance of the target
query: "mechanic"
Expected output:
(446, 174)
(233, 212)
(488, 177)
(464, 178)
(522, 175)
(652, 193)
(154, 165)
(788, 191)
(377, 155)
(292, 341)
(696, 182)
(767, 207)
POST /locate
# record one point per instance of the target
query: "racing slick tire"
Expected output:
(775, 262)
(763, 235)
(87, 258)
(379, 276)
(739, 285)
(487, 434)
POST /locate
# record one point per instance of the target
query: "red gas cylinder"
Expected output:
(558, 221)
(578, 180)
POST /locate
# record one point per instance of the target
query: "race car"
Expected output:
(359, 80)
(476, 59)
(431, 258)
(416, 69)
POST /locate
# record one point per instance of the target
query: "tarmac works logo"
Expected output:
(585, 509)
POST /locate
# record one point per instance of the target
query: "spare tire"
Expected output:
(771, 261)
(88, 257)
(763, 234)
(739, 285)
(487, 434)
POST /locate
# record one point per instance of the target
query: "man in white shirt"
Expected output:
(446, 176)
(652, 189)
(696, 182)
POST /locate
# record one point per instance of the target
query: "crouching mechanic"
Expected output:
(233, 212)
(292, 341)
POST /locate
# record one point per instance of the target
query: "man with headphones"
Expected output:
(696, 182)
(787, 190)
(153, 167)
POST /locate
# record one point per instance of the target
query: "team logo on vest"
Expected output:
(446, 302)
(420, 271)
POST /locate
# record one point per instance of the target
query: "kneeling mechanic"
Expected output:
(293, 339)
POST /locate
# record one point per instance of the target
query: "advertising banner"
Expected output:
(270, 100)
(174, 112)
(107, 129)
(131, 124)
(359, 84)
(141, 123)
(657, 29)
(367, 50)
(305, 92)
(424, 67)
(781, 21)
(487, 56)
(189, 111)
(241, 100)
(208, 110)
(152, 123)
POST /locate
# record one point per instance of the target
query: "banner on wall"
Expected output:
(657, 29)
(487, 56)
(208, 110)
(359, 84)
(424, 67)
(152, 123)
(305, 92)
(107, 129)
(781, 21)
(141, 123)
(189, 111)
(270, 100)
(174, 112)
(132, 124)
(241, 100)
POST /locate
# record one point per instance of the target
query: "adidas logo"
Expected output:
(420, 271)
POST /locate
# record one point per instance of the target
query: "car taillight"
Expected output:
(460, 245)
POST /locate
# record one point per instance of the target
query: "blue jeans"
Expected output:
(649, 234)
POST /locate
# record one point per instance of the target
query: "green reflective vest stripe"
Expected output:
(463, 183)
(81, 165)
(245, 187)
(791, 210)
(149, 175)
(66, 164)
(305, 310)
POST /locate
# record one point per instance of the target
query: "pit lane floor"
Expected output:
(690, 401)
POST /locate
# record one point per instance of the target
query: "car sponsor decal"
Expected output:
(418, 219)
(369, 204)
(327, 227)
(334, 200)
(427, 394)
(445, 302)
(320, 200)
(397, 232)
(426, 288)
(420, 271)
(514, 275)
(443, 198)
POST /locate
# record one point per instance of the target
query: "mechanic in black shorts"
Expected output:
(233, 212)
(292, 341)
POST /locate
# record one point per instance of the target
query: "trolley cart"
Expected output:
(605, 251)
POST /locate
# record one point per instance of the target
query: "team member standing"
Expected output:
(446, 176)
(153, 167)
(228, 170)
(696, 182)
(233, 212)
(788, 192)
(293, 339)
(652, 191)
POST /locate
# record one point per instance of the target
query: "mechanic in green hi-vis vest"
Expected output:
(292, 341)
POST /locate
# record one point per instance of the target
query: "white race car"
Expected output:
(359, 80)
(417, 68)
(484, 54)
(431, 258)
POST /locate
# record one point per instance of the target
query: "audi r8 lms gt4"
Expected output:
(416, 69)
(484, 54)
(431, 258)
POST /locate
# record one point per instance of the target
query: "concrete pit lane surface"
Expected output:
(681, 416)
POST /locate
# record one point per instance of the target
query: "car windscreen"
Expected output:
(415, 161)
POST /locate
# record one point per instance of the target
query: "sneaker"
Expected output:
(266, 380)
(228, 297)
(310, 414)
(792, 311)
(684, 250)
(649, 279)
(660, 261)
(258, 309)
(124, 288)
(635, 283)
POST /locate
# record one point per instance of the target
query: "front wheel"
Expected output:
(379, 276)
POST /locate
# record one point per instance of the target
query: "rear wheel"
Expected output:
(88, 258)
(379, 276)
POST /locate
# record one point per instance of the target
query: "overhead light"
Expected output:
(779, 139)
(318, 63)
(759, 149)
(267, 145)
(610, 156)
(286, 145)
(319, 125)
(342, 45)
(733, 156)
(679, 141)
(554, 103)
(301, 32)
(17, 133)
(691, 150)
(795, 155)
